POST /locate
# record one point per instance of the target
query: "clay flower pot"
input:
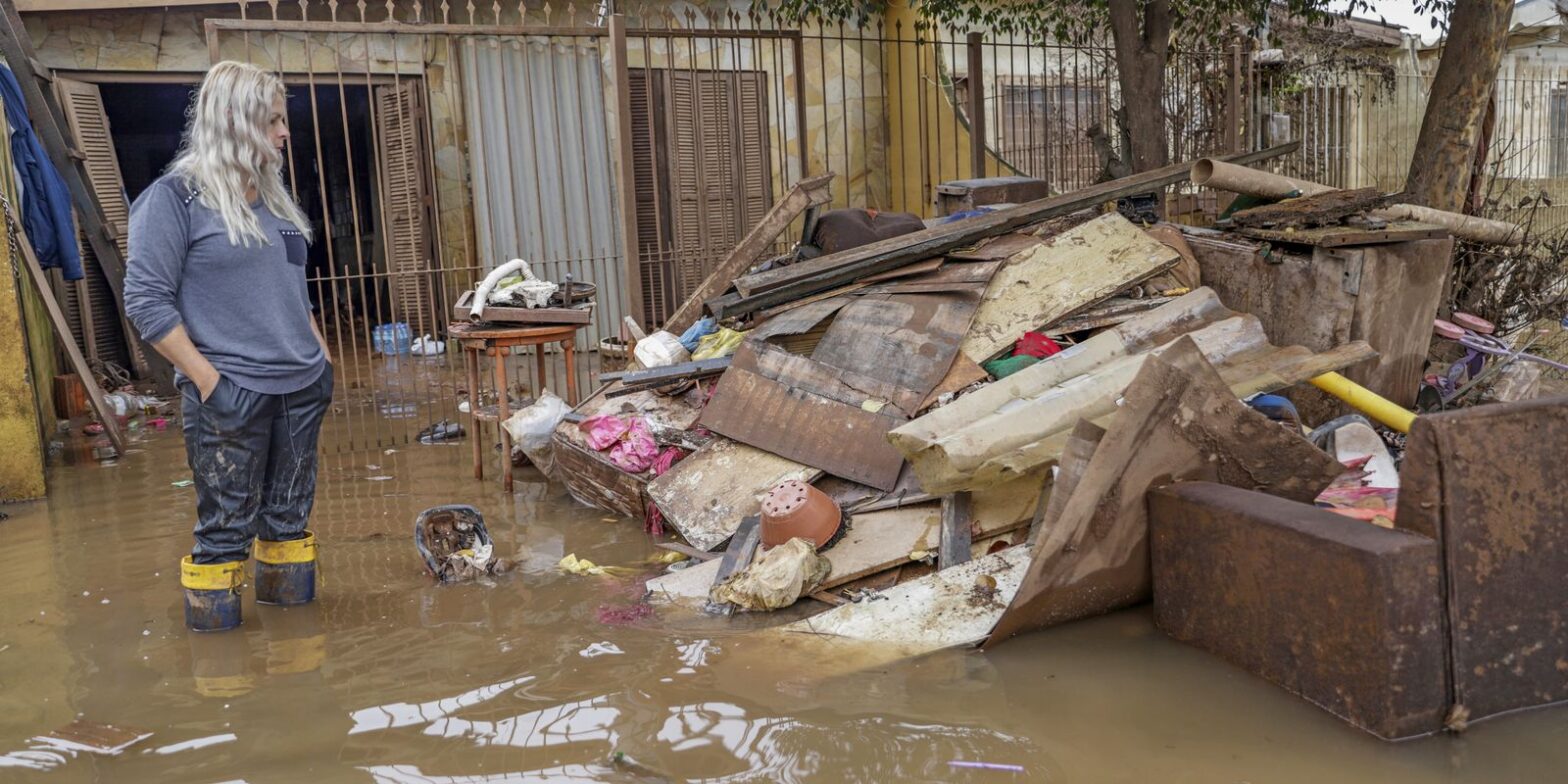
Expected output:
(796, 509)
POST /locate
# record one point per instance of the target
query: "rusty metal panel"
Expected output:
(1492, 485)
(1341, 613)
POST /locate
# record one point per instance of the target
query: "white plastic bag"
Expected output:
(427, 346)
(661, 349)
(532, 427)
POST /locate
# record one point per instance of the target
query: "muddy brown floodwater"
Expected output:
(391, 679)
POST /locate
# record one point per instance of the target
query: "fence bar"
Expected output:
(975, 79)
(626, 184)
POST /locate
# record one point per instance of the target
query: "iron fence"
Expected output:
(436, 140)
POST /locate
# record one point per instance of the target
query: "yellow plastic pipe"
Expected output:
(1366, 401)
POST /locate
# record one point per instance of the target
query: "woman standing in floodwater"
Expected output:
(215, 282)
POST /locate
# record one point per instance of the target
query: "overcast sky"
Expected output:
(1399, 12)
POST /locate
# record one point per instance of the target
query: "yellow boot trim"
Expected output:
(295, 551)
(211, 577)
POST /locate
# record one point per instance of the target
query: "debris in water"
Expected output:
(622, 761)
(378, 478)
(455, 545)
(571, 564)
(986, 766)
(90, 736)
(445, 430)
(600, 649)
(624, 615)
(196, 743)
(182, 483)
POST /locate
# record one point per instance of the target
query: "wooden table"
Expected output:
(497, 342)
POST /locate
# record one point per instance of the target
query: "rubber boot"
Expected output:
(212, 594)
(286, 571)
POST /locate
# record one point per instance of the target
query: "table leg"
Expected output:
(570, 345)
(540, 369)
(471, 364)
(504, 412)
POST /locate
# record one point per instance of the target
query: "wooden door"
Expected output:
(91, 309)
(702, 173)
(406, 204)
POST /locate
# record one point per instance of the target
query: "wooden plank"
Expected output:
(1327, 210)
(777, 416)
(812, 192)
(1181, 422)
(669, 373)
(1073, 270)
(798, 320)
(1080, 448)
(947, 609)
(820, 274)
(997, 248)
(922, 330)
(62, 333)
(582, 314)
(1347, 236)
(593, 480)
(737, 557)
(963, 374)
(706, 495)
(881, 540)
(954, 547)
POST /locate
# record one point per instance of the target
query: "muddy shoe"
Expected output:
(445, 430)
(212, 594)
(286, 571)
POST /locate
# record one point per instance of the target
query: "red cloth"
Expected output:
(1036, 345)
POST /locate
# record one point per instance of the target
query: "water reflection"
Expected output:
(403, 714)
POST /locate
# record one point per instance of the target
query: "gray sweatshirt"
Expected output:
(246, 309)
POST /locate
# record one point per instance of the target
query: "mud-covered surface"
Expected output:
(390, 678)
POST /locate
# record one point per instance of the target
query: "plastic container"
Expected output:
(392, 339)
(660, 349)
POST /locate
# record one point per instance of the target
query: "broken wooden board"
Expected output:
(1181, 422)
(806, 411)
(878, 541)
(951, 608)
(1113, 311)
(799, 320)
(1327, 209)
(922, 331)
(790, 283)
(963, 374)
(1348, 236)
(1080, 448)
(1019, 424)
(706, 495)
(811, 192)
(998, 248)
(1071, 271)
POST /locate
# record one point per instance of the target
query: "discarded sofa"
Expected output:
(1452, 616)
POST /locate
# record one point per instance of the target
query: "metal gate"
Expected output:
(489, 140)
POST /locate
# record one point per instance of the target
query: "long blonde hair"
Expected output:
(226, 150)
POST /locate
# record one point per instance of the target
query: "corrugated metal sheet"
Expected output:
(544, 188)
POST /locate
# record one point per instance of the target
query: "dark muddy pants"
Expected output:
(253, 458)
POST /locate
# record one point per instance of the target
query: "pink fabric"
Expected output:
(667, 459)
(636, 450)
(603, 430)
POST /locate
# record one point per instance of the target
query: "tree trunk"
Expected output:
(1440, 171)
(1142, 32)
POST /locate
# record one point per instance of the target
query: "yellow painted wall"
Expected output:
(929, 141)
(21, 445)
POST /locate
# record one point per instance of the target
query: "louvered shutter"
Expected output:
(654, 238)
(404, 203)
(756, 168)
(92, 309)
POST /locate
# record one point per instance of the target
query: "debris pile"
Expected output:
(947, 436)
